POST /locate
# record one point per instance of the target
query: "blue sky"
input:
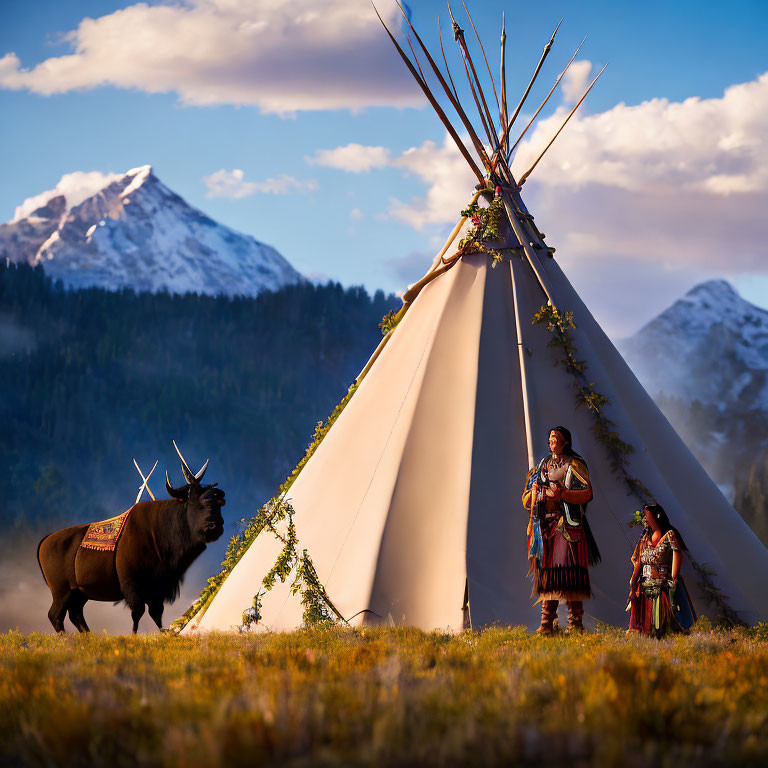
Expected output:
(642, 201)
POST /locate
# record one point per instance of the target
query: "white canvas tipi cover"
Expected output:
(414, 494)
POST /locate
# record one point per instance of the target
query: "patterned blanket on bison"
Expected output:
(105, 535)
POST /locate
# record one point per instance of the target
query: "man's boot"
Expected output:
(548, 616)
(575, 612)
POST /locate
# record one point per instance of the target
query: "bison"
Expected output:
(158, 543)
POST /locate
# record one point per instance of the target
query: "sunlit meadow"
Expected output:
(385, 696)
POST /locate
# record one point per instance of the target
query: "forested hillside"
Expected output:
(90, 379)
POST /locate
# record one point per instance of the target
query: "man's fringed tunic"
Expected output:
(560, 543)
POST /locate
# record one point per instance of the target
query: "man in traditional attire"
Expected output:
(560, 543)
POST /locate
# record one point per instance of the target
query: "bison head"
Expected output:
(203, 502)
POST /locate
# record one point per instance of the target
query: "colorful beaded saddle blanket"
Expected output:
(105, 535)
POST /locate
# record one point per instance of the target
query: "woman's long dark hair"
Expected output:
(663, 520)
(566, 433)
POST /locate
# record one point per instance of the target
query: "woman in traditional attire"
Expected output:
(658, 600)
(560, 543)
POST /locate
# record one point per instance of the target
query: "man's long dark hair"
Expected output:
(661, 518)
(566, 433)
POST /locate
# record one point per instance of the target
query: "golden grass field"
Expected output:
(385, 697)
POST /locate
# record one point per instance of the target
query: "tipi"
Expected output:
(410, 505)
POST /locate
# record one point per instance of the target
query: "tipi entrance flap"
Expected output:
(345, 471)
(496, 548)
(343, 496)
(421, 572)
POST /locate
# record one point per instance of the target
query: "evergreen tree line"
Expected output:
(90, 379)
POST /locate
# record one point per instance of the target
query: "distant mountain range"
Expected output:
(136, 233)
(704, 359)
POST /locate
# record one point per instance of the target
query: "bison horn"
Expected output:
(174, 493)
(188, 474)
(199, 475)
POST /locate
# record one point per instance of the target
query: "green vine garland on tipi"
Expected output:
(486, 223)
(319, 611)
(559, 324)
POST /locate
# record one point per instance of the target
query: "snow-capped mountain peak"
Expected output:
(716, 301)
(132, 231)
(713, 292)
(711, 345)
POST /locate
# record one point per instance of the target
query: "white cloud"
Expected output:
(575, 81)
(280, 55)
(232, 184)
(451, 184)
(354, 158)
(663, 182)
(715, 146)
(75, 187)
(356, 214)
